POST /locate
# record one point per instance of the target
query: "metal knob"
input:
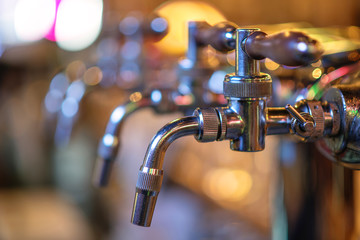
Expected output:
(287, 48)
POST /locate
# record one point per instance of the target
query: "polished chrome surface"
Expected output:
(245, 122)
(192, 53)
(246, 91)
(344, 147)
(244, 64)
(150, 174)
(110, 142)
(305, 124)
(210, 124)
(236, 86)
(313, 120)
(278, 121)
(254, 117)
(165, 136)
(193, 73)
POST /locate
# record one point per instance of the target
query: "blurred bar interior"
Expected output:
(67, 67)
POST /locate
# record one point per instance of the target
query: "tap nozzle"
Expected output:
(147, 190)
(150, 174)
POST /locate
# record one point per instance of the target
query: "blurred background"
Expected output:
(65, 65)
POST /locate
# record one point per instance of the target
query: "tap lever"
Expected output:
(306, 124)
(288, 48)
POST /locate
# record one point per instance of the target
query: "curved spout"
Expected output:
(151, 173)
(109, 144)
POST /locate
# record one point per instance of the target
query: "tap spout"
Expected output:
(109, 144)
(151, 173)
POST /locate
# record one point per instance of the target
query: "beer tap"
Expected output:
(69, 87)
(194, 73)
(246, 119)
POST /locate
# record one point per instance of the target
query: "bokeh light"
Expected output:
(178, 14)
(316, 73)
(227, 184)
(93, 76)
(78, 23)
(34, 19)
(271, 65)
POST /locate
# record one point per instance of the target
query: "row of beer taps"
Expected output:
(241, 114)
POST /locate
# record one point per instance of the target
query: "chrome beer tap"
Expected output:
(194, 74)
(246, 119)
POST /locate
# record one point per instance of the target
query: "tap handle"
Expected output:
(288, 48)
(220, 36)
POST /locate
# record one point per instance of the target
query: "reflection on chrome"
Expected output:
(69, 111)
(191, 90)
(109, 144)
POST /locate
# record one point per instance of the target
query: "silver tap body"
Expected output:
(244, 121)
(247, 91)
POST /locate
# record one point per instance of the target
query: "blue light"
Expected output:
(299, 98)
(156, 96)
(129, 25)
(69, 107)
(186, 63)
(302, 47)
(216, 82)
(108, 140)
(159, 25)
(76, 90)
(228, 35)
(53, 101)
(117, 114)
(59, 82)
(131, 50)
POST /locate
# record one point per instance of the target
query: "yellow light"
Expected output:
(353, 56)
(135, 97)
(227, 184)
(354, 32)
(230, 57)
(271, 65)
(316, 73)
(75, 70)
(178, 14)
(317, 64)
(93, 76)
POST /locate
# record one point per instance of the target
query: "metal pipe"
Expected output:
(278, 121)
(244, 64)
(109, 144)
(151, 173)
